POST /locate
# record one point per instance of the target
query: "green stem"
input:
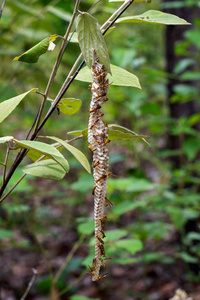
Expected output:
(5, 163)
(56, 65)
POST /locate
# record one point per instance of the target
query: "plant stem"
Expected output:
(56, 65)
(68, 258)
(31, 283)
(5, 163)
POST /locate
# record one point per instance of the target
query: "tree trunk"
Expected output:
(178, 109)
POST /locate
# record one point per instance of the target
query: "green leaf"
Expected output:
(117, 132)
(86, 227)
(131, 245)
(7, 106)
(35, 155)
(120, 77)
(154, 17)
(83, 132)
(74, 151)
(188, 258)
(74, 38)
(48, 169)
(33, 54)
(5, 233)
(5, 139)
(125, 206)
(90, 38)
(115, 234)
(43, 148)
(69, 106)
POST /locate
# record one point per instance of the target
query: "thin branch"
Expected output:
(31, 283)
(74, 283)
(5, 162)
(57, 63)
(2, 7)
(68, 258)
(12, 188)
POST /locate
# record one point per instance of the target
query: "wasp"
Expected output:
(103, 263)
(102, 222)
(95, 108)
(103, 234)
(90, 147)
(95, 164)
(93, 190)
(106, 142)
(101, 277)
(100, 240)
(108, 203)
(101, 248)
(96, 139)
(95, 122)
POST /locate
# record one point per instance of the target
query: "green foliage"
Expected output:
(7, 106)
(48, 169)
(90, 39)
(119, 77)
(33, 54)
(154, 17)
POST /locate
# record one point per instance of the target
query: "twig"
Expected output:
(2, 7)
(31, 283)
(12, 188)
(57, 63)
(74, 283)
(5, 162)
(68, 258)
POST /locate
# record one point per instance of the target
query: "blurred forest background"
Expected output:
(153, 228)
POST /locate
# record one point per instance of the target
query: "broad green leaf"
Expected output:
(35, 155)
(5, 233)
(131, 245)
(119, 77)
(77, 153)
(122, 208)
(5, 139)
(86, 227)
(33, 54)
(44, 149)
(154, 17)
(7, 106)
(69, 106)
(90, 38)
(115, 234)
(74, 38)
(83, 132)
(48, 169)
(117, 132)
